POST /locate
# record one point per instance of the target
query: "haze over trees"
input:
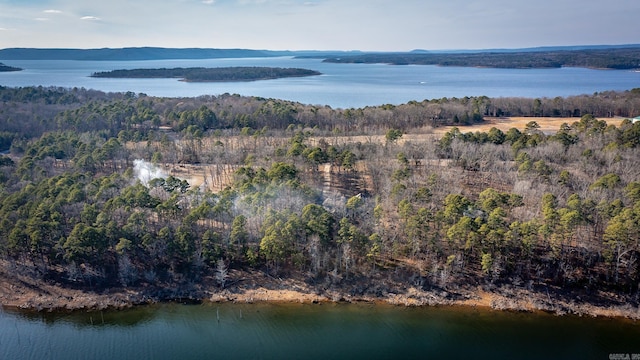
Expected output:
(338, 195)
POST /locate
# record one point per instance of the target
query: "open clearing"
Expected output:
(548, 125)
(216, 177)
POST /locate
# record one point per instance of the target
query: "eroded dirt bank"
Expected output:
(25, 292)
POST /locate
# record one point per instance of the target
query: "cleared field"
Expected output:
(216, 177)
(548, 125)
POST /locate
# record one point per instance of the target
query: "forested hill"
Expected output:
(5, 68)
(618, 58)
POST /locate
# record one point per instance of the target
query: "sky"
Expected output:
(367, 25)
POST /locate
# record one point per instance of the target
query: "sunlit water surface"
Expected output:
(340, 86)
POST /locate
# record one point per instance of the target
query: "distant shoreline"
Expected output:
(610, 59)
(620, 57)
(218, 74)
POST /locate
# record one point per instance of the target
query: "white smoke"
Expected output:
(146, 171)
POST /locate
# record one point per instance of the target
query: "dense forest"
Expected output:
(210, 74)
(98, 188)
(622, 58)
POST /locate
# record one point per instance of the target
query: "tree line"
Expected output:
(30, 111)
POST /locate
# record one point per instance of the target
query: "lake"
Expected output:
(340, 86)
(312, 331)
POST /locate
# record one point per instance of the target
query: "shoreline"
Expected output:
(483, 300)
(28, 295)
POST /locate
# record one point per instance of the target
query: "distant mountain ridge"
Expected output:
(138, 53)
(529, 49)
(153, 53)
(160, 53)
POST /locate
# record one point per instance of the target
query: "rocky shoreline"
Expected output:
(27, 294)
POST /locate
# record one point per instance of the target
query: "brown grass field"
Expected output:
(548, 125)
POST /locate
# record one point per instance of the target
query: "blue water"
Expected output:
(327, 331)
(340, 86)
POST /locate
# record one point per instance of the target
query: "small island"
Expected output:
(219, 74)
(7, 68)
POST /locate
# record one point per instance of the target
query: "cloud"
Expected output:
(252, 2)
(322, 24)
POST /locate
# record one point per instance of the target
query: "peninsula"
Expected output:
(6, 68)
(201, 74)
(598, 58)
